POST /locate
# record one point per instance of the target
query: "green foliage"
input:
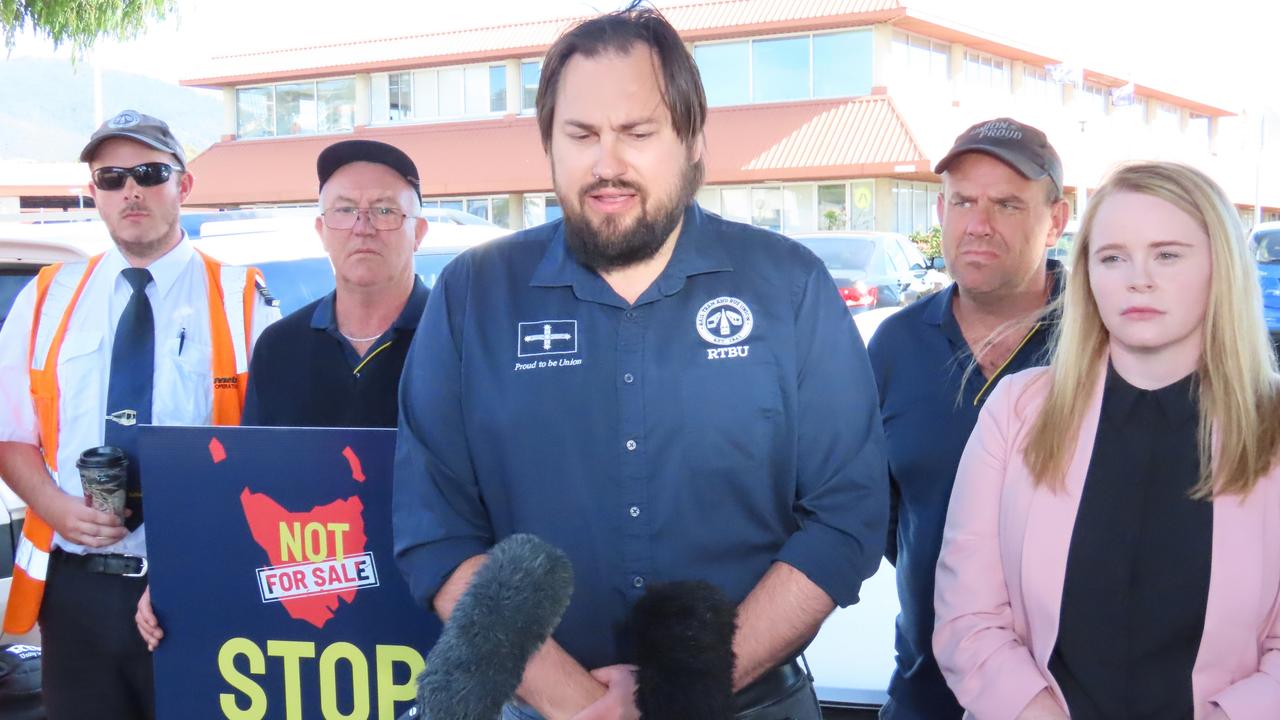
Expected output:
(834, 220)
(929, 242)
(80, 22)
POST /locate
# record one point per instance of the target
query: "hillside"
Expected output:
(46, 108)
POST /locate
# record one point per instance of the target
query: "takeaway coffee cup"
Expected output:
(104, 477)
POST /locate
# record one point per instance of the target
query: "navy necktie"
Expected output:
(133, 359)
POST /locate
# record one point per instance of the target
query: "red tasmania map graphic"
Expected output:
(272, 526)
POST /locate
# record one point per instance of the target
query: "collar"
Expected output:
(164, 269)
(1178, 401)
(698, 250)
(324, 317)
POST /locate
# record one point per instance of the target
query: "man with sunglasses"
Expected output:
(150, 332)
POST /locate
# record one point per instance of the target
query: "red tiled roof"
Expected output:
(811, 140)
(694, 20)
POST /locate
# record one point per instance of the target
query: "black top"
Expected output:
(305, 374)
(1137, 580)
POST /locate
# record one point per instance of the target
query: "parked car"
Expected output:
(872, 269)
(1265, 243)
(449, 226)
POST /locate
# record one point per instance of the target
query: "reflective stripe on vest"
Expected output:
(58, 289)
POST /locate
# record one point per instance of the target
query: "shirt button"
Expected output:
(630, 315)
(637, 581)
(628, 378)
(635, 511)
(631, 444)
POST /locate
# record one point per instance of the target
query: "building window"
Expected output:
(842, 64)
(721, 66)
(1039, 87)
(779, 69)
(1094, 100)
(1168, 118)
(255, 110)
(792, 67)
(795, 207)
(399, 96)
(497, 88)
(1199, 130)
(918, 58)
(915, 206)
(493, 208)
(440, 93)
(337, 105)
(987, 72)
(530, 75)
(539, 209)
(302, 108)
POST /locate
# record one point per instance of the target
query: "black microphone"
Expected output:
(514, 602)
(683, 635)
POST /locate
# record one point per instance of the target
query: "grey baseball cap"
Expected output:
(1024, 148)
(133, 125)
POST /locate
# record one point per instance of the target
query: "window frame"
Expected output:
(750, 75)
(274, 111)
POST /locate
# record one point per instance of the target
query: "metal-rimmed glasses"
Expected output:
(344, 217)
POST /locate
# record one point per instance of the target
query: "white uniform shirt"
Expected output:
(182, 388)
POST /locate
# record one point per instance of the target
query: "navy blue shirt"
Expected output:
(929, 408)
(305, 374)
(724, 421)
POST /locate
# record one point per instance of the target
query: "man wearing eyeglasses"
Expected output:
(336, 362)
(150, 332)
(353, 341)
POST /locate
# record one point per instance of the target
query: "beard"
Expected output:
(611, 244)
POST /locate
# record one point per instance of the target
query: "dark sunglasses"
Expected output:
(146, 175)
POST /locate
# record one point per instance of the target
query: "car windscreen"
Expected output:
(1266, 247)
(12, 280)
(842, 253)
(429, 265)
(297, 282)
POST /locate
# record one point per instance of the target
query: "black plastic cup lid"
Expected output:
(105, 456)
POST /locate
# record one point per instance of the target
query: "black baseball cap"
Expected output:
(349, 151)
(1018, 145)
(134, 125)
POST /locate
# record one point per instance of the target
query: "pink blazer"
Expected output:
(1004, 559)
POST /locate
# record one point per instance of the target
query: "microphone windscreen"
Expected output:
(683, 635)
(513, 604)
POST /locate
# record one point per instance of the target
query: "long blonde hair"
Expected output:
(1239, 391)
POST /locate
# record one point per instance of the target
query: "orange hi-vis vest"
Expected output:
(57, 292)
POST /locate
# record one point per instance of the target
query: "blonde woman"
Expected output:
(1112, 547)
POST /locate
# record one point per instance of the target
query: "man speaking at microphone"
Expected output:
(660, 393)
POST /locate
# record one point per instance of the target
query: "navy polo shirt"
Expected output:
(724, 421)
(305, 374)
(929, 409)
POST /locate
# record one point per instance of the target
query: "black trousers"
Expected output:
(95, 665)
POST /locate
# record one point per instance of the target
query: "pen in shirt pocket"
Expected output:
(182, 339)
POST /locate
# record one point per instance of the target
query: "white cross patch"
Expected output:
(547, 337)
